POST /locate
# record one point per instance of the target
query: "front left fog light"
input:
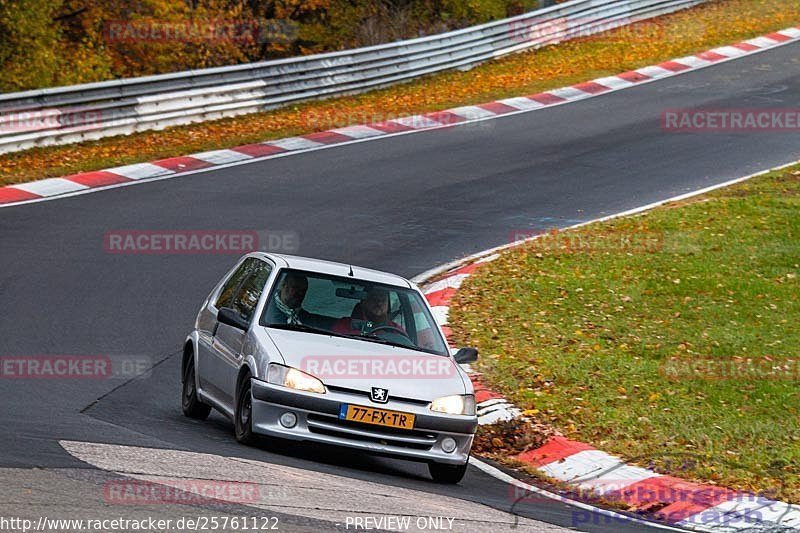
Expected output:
(448, 444)
(288, 420)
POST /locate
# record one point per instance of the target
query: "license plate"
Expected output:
(377, 417)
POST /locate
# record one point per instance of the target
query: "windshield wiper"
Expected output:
(375, 338)
(306, 329)
(371, 337)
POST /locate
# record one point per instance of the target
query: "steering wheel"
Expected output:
(392, 329)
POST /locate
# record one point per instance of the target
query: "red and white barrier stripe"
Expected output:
(114, 177)
(597, 474)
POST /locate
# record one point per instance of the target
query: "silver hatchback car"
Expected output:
(310, 350)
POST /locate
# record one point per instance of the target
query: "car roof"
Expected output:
(337, 269)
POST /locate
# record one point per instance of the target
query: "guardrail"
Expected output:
(77, 113)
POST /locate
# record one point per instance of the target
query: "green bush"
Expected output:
(47, 43)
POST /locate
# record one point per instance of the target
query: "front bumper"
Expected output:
(318, 421)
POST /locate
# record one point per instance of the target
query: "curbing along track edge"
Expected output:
(594, 474)
(88, 182)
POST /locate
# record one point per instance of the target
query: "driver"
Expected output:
(287, 304)
(370, 314)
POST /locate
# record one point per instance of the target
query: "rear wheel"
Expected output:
(448, 474)
(191, 404)
(243, 417)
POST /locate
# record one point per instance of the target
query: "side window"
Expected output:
(231, 286)
(250, 291)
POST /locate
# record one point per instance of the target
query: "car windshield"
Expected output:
(333, 305)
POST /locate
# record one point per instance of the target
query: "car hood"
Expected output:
(360, 365)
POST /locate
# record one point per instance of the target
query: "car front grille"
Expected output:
(364, 394)
(346, 429)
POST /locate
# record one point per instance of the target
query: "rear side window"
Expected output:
(250, 290)
(232, 286)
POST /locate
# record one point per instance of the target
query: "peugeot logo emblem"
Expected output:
(379, 395)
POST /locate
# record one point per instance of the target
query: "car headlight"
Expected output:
(293, 379)
(455, 405)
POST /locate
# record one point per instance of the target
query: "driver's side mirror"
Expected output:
(466, 355)
(230, 317)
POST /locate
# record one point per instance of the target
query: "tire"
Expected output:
(243, 416)
(447, 474)
(191, 404)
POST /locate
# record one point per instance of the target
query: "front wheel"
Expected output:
(191, 404)
(243, 418)
(448, 474)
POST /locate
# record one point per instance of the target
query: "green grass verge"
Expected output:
(670, 338)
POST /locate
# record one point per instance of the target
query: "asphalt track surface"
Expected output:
(402, 204)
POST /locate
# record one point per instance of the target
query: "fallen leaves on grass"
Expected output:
(512, 437)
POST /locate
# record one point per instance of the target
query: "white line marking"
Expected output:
(296, 143)
(141, 171)
(417, 122)
(584, 464)
(656, 72)
(493, 401)
(440, 314)
(762, 42)
(521, 102)
(498, 416)
(421, 278)
(220, 157)
(471, 112)
(488, 259)
(617, 478)
(793, 33)
(729, 51)
(614, 82)
(450, 282)
(692, 61)
(50, 187)
(359, 132)
(570, 93)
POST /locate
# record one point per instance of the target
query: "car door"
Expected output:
(228, 340)
(208, 361)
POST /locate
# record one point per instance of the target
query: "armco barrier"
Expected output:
(86, 112)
